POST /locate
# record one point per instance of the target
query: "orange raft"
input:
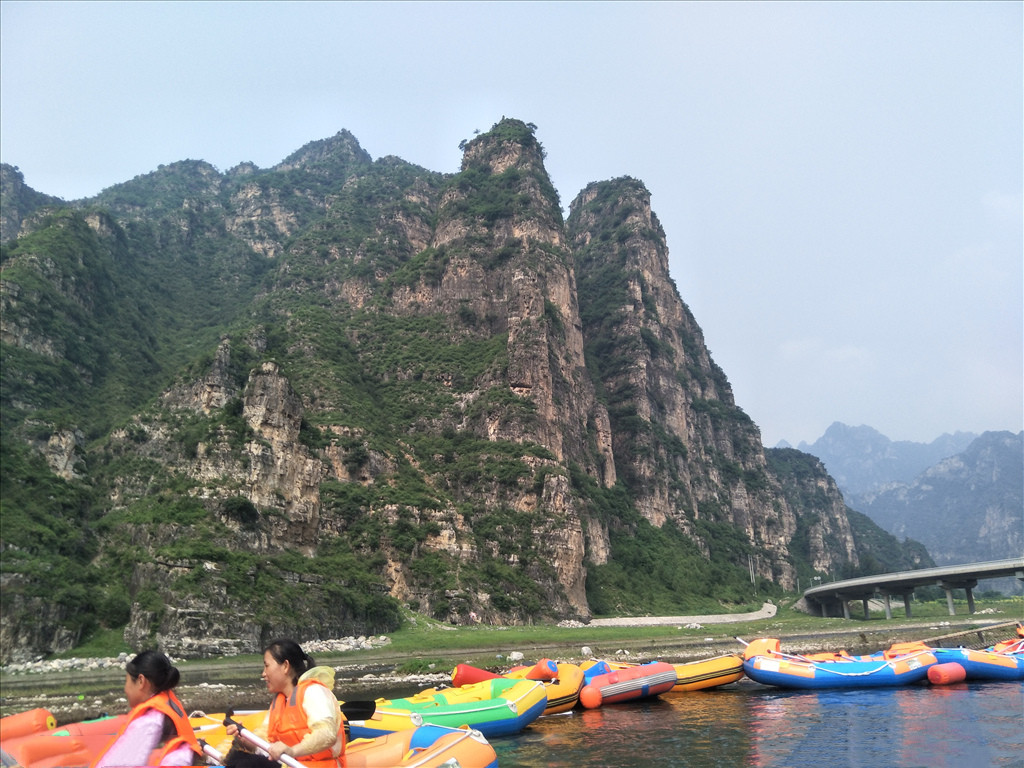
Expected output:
(26, 724)
(72, 745)
(76, 745)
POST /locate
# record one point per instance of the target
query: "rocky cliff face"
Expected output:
(823, 528)
(687, 451)
(401, 387)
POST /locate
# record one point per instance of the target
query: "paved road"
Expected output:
(766, 612)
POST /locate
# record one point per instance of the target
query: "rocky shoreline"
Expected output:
(75, 689)
(58, 666)
(82, 689)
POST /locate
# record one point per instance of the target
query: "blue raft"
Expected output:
(764, 663)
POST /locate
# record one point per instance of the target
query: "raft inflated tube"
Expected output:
(762, 646)
(464, 674)
(590, 696)
(946, 673)
(545, 669)
(641, 681)
(26, 723)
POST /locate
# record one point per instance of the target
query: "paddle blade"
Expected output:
(358, 710)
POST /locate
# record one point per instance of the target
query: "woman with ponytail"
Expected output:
(304, 720)
(158, 731)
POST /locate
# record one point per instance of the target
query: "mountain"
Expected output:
(296, 400)
(966, 508)
(18, 201)
(809, 488)
(861, 458)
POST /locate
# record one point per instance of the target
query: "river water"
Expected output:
(967, 725)
(742, 725)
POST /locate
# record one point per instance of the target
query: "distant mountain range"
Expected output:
(962, 495)
(862, 459)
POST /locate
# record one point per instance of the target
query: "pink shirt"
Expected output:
(140, 738)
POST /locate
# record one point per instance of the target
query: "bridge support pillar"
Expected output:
(866, 614)
(906, 603)
(846, 609)
(888, 607)
(967, 585)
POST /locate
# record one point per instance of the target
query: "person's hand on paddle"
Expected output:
(277, 749)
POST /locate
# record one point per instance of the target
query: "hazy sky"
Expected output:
(841, 183)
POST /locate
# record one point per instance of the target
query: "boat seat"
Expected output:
(903, 649)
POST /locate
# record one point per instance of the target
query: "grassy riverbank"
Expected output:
(422, 642)
(429, 642)
(424, 646)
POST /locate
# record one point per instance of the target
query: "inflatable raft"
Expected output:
(764, 663)
(562, 681)
(429, 746)
(983, 665)
(604, 684)
(76, 745)
(69, 746)
(703, 674)
(708, 673)
(1012, 646)
(496, 707)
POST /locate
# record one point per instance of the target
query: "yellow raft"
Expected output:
(708, 673)
(562, 682)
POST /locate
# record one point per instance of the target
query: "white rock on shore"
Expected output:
(312, 647)
(66, 665)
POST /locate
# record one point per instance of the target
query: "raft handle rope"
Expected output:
(825, 666)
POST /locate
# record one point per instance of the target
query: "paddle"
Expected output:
(358, 710)
(256, 741)
(211, 752)
(780, 653)
(352, 710)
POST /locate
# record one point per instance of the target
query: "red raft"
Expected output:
(605, 685)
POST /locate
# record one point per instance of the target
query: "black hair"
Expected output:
(288, 650)
(156, 668)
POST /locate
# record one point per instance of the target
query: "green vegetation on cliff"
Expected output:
(306, 395)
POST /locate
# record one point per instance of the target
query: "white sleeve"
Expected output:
(320, 705)
(323, 715)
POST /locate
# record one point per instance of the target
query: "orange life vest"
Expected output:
(288, 723)
(167, 704)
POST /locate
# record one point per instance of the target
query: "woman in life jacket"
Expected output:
(304, 719)
(158, 731)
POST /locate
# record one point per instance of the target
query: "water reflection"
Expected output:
(699, 728)
(759, 727)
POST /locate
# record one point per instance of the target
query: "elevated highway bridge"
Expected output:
(839, 593)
